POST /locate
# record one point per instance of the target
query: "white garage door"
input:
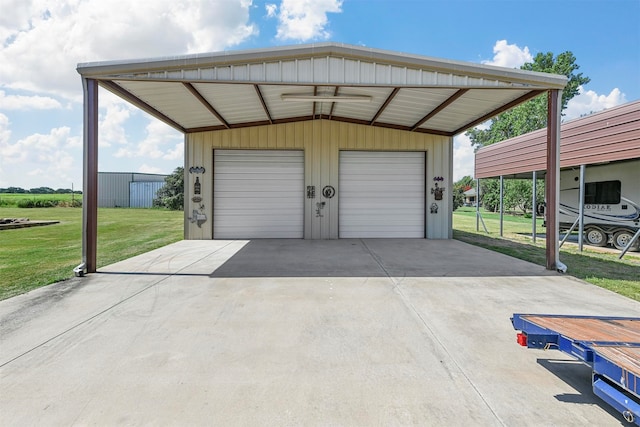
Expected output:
(258, 194)
(382, 194)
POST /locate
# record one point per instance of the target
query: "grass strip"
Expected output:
(37, 256)
(593, 266)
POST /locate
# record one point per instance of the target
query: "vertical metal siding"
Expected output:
(322, 141)
(141, 194)
(113, 190)
(114, 187)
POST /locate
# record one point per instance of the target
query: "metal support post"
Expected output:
(478, 204)
(631, 242)
(90, 180)
(534, 204)
(501, 205)
(581, 205)
(566, 236)
(552, 182)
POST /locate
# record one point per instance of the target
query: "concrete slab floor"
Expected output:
(294, 332)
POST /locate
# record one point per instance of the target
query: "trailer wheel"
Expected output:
(622, 238)
(595, 237)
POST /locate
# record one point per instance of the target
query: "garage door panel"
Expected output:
(382, 194)
(258, 194)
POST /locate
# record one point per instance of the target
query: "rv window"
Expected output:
(602, 193)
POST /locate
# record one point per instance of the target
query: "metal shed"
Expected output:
(319, 113)
(128, 189)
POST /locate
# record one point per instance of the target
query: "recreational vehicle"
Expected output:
(611, 202)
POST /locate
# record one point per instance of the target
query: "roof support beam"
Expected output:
(552, 179)
(333, 104)
(384, 106)
(90, 179)
(124, 94)
(439, 108)
(502, 109)
(204, 102)
(264, 104)
(315, 93)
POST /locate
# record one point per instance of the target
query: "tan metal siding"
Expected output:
(611, 135)
(322, 141)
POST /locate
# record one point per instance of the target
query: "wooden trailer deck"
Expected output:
(610, 345)
(615, 339)
(591, 329)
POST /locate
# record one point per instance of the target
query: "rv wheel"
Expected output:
(596, 237)
(622, 238)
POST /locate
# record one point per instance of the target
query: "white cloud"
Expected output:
(161, 142)
(587, 102)
(463, 157)
(509, 55)
(48, 158)
(111, 127)
(22, 102)
(272, 10)
(304, 19)
(176, 154)
(50, 38)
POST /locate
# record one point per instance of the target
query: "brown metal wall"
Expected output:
(611, 135)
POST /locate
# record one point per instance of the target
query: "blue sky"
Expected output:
(43, 41)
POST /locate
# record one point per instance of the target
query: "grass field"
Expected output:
(11, 199)
(596, 267)
(37, 256)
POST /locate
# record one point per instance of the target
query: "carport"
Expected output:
(330, 106)
(610, 138)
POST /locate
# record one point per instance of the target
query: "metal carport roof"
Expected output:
(194, 93)
(328, 81)
(607, 136)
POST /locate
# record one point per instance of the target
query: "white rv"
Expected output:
(611, 203)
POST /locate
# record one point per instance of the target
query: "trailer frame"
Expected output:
(609, 345)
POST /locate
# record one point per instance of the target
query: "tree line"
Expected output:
(38, 190)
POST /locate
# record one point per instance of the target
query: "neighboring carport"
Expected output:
(610, 136)
(208, 95)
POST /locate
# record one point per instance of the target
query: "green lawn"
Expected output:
(593, 266)
(37, 256)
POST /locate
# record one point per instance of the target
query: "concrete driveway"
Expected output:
(294, 332)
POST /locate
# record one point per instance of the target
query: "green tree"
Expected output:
(490, 194)
(171, 196)
(459, 187)
(518, 194)
(532, 115)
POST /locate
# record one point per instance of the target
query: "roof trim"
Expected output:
(106, 69)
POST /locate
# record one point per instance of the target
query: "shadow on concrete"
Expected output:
(577, 375)
(370, 258)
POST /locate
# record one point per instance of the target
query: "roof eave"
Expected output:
(107, 69)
